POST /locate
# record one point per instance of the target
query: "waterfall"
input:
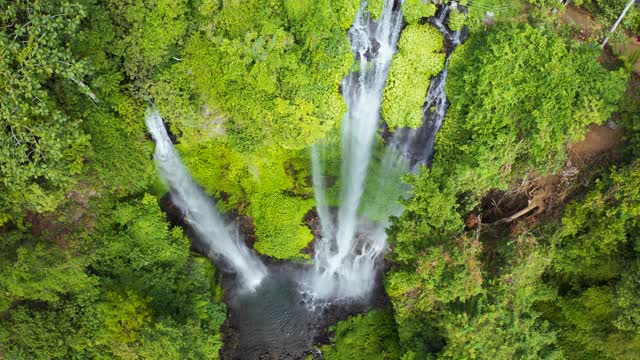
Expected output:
(416, 145)
(346, 255)
(223, 241)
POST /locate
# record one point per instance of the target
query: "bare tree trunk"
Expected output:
(536, 202)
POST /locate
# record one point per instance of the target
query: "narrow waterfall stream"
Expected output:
(223, 240)
(416, 145)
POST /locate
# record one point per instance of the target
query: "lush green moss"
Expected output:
(419, 57)
(279, 224)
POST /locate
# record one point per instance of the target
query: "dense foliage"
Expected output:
(596, 250)
(90, 267)
(121, 283)
(270, 70)
(420, 56)
(41, 144)
(369, 336)
(519, 95)
(505, 120)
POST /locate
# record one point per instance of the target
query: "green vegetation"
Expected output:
(456, 20)
(519, 96)
(415, 10)
(608, 11)
(42, 145)
(90, 267)
(596, 247)
(121, 283)
(480, 293)
(266, 77)
(420, 56)
(369, 336)
(252, 184)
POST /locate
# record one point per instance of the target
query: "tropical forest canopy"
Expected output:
(92, 268)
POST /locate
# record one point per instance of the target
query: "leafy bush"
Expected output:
(514, 107)
(270, 187)
(456, 20)
(369, 336)
(415, 10)
(42, 146)
(419, 57)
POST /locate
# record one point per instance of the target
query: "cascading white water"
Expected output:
(416, 145)
(223, 241)
(345, 257)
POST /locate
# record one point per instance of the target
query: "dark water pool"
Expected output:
(274, 320)
(278, 322)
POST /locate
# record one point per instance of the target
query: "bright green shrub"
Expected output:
(270, 187)
(456, 20)
(419, 57)
(279, 224)
(369, 336)
(415, 10)
(513, 106)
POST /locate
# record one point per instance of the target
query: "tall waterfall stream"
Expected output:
(282, 309)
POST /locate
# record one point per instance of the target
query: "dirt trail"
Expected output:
(599, 140)
(582, 18)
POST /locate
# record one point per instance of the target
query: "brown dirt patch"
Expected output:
(577, 16)
(597, 151)
(599, 140)
(538, 195)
